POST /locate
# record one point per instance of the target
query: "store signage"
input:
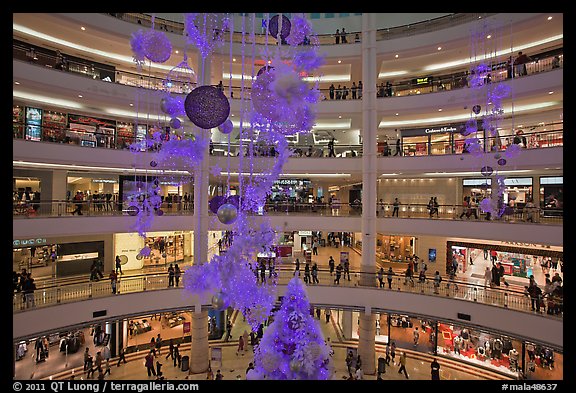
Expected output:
(421, 81)
(441, 129)
(519, 181)
(451, 128)
(305, 233)
(104, 181)
(465, 317)
(28, 242)
(186, 327)
(287, 182)
(101, 313)
(552, 180)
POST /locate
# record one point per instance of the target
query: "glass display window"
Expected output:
(415, 145)
(440, 143)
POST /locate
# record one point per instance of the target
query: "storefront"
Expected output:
(394, 248)
(519, 261)
(469, 344)
(517, 191)
(552, 195)
(433, 140)
(292, 190)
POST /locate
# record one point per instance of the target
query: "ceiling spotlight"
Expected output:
(550, 92)
(439, 48)
(440, 110)
(16, 82)
(131, 104)
(489, 36)
(549, 18)
(340, 117)
(396, 56)
(233, 59)
(339, 61)
(82, 28)
(79, 95)
(177, 52)
(397, 114)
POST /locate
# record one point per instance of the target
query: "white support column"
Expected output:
(367, 341)
(201, 179)
(199, 349)
(369, 154)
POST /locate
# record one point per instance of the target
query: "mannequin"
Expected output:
(488, 348)
(457, 343)
(513, 356)
(465, 339)
(497, 349)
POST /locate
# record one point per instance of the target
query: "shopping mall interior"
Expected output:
(288, 196)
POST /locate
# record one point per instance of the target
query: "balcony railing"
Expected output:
(455, 289)
(534, 140)
(60, 208)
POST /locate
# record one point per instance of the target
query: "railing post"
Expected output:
(90, 290)
(505, 300)
(58, 295)
(475, 294)
(144, 287)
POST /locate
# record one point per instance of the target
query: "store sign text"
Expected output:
(28, 242)
(442, 129)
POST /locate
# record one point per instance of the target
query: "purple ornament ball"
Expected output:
(226, 127)
(207, 107)
(153, 164)
(486, 170)
(476, 109)
(175, 123)
(157, 47)
(215, 203)
(133, 210)
(273, 27)
(502, 162)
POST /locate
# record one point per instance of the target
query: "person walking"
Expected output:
(297, 268)
(381, 277)
(343, 36)
(307, 279)
(121, 357)
(113, 280)
(149, 363)
(520, 64)
(327, 314)
(387, 356)
(331, 91)
(315, 274)
(170, 349)
(240, 345)
(170, 275)
(389, 277)
(348, 360)
(118, 264)
(338, 274)
(315, 247)
(416, 334)
(398, 148)
(393, 352)
(177, 273)
(435, 370)
(353, 88)
(360, 87)
(396, 206)
(337, 36)
(331, 264)
(347, 269)
(331, 152)
(403, 364)
(437, 281)
(158, 343)
(228, 330)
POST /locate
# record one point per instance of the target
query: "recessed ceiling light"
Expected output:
(439, 48)
(440, 110)
(549, 18)
(79, 95)
(480, 17)
(339, 61)
(550, 92)
(489, 36)
(233, 59)
(82, 28)
(397, 114)
(396, 56)
(339, 117)
(176, 51)
(232, 115)
(16, 82)
(131, 104)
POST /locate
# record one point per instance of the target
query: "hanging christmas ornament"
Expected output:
(502, 162)
(207, 107)
(153, 164)
(497, 156)
(171, 105)
(486, 170)
(476, 109)
(215, 203)
(137, 45)
(273, 27)
(226, 127)
(132, 210)
(145, 252)
(157, 47)
(175, 123)
(227, 213)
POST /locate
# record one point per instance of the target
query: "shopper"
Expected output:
(158, 343)
(353, 88)
(387, 355)
(347, 269)
(339, 269)
(240, 345)
(327, 313)
(315, 274)
(177, 273)
(398, 148)
(98, 361)
(435, 369)
(87, 359)
(170, 275)
(170, 349)
(437, 281)
(360, 90)
(337, 36)
(113, 280)
(416, 334)
(403, 364)
(228, 330)
(331, 91)
(28, 288)
(121, 357)
(250, 367)
(149, 363)
(487, 277)
(297, 268)
(343, 35)
(393, 352)
(331, 264)
(389, 277)
(331, 152)
(520, 64)
(396, 206)
(348, 360)
(381, 277)
(118, 264)
(307, 279)
(315, 247)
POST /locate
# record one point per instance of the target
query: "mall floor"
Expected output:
(233, 366)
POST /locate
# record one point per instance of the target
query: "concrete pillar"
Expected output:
(536, 191)
(57, 191)
(369, 154)
(199, 349)
(201, 179)
(366, 342)
(347, 324)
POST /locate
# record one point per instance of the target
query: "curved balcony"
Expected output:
(505, 310)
